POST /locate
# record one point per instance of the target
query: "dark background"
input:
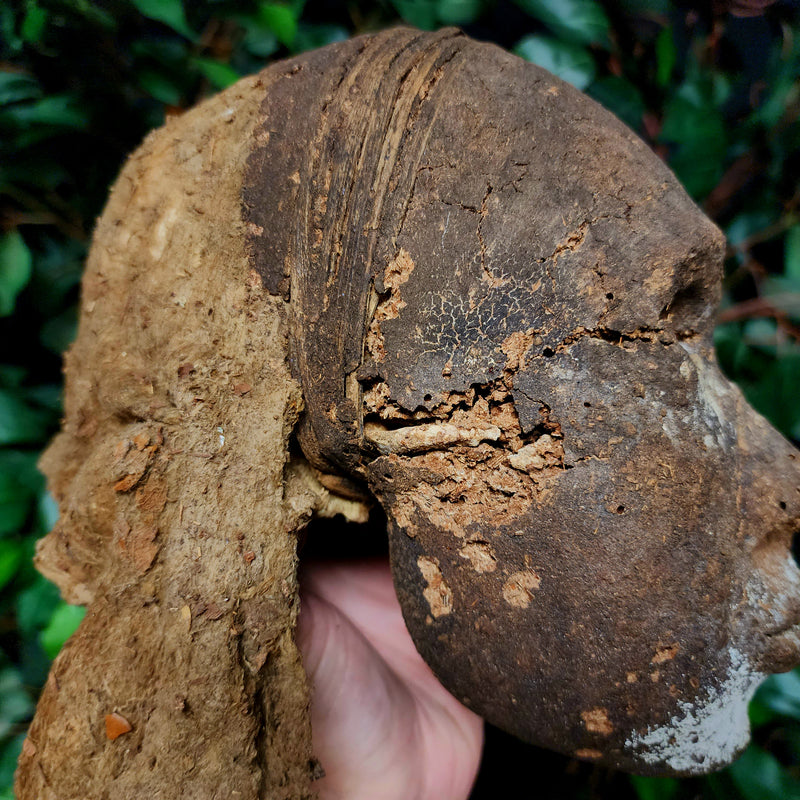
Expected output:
(713, 87)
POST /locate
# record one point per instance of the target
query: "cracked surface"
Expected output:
(175, 522)
(502, 309)
(469, 292)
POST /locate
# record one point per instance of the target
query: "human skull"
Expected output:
(494, 305)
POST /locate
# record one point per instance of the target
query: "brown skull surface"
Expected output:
(496, 304)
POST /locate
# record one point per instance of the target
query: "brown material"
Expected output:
(167, 457)
(474, 295)
(116, 726)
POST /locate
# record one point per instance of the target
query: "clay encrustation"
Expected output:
(472, 295)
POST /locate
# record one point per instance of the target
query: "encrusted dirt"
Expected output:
(408, 268)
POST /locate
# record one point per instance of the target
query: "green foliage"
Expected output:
(15, 270)
(620, 94)
(81, 82)
(582, 21)
(170, 12)
(63, 623)
(571, 62)
(430, 14)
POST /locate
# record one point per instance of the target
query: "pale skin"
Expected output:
(383, 726)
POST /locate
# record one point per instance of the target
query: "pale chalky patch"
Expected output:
(704, 734)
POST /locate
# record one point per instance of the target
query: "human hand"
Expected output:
(383, 726)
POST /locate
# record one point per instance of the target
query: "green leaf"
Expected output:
(782, 94)
(781, 694)
(700, 133)
(15, 702)
(219, 75)
(568, 61)
(744, 225)
(47, 396)
(35, 606)
(8, 33)
(47, 509)
(20, 482)
(34, 23)
(791, 253)
(419, 13)
(281, 19)
(784, 293)
(162, 85)
(19, 423)
(15, 270)
(758, 775)
(581, 21)
(170, 12)
(16, 86)
(310, 37)
(8, 763)
(33, 122)
(261, 42)
(666, 56)
(685, 122)
(620, 97)
(93, 13)
(58, 333)
(459, 12)
(655, 788)
(15, 503)
(62, 625)
(11, 552)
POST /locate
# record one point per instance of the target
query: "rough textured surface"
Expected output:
(175, 529)
(502, 305)
(494, 304)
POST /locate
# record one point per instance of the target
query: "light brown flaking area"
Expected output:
(665, 652)
(178, 341)
(480, 555)
(397, 272)
(438, 594)
(519, 588)
(516, 347)
(544, 452)
(596, 721)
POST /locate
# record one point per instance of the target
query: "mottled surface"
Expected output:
(177, 519)
(502, 311)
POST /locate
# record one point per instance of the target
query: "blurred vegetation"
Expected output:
(713, 87)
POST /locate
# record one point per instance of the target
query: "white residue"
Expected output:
(704, 734)
(221, 436)
(714, 393)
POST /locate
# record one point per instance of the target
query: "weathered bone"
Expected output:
(474, 295)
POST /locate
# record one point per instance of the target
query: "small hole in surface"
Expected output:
(587, 404)
(427, 398)
(782, 504)
(548, 352)
(620, 509)
(609, 295)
